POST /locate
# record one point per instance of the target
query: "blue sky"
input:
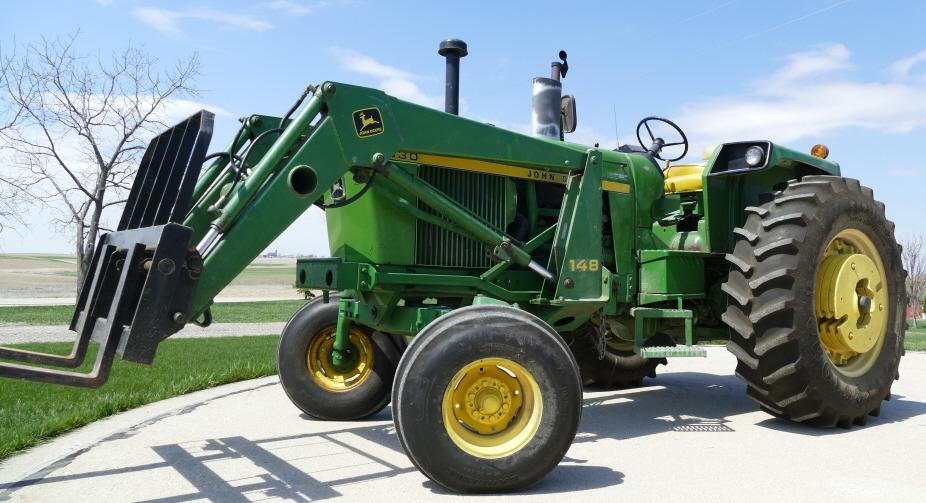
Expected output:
(851, 74)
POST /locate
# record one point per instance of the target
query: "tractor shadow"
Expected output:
(896, 410)
(316, 466)
(300, 467)
(677, 401)
(701, 403)
(566, 478)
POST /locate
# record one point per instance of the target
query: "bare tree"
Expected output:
(914, 261)
(9, 189)
(77, 125)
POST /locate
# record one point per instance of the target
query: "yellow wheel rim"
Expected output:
(324, 373)
(852, 302)
(492, 408)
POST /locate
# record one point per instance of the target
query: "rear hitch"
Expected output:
(142, 278)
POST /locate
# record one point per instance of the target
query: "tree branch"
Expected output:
(74, 125)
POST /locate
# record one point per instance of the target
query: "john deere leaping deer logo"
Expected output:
(368, 122)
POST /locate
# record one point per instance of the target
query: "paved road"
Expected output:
(17, 334)
(689, 436)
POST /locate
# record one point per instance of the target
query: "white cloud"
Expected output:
(825, 59)
(810, 96)
(901, 68)
(166, 21)
(172, 111)
(392, 81)
(104, 3)
(360, 63)
(407, 90)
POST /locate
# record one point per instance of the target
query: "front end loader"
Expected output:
(479, 277)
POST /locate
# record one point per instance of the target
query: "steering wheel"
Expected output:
(658, 143)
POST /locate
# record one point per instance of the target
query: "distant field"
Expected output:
(54, 276)
(37, 275)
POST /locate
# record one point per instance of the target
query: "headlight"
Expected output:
(755, 156)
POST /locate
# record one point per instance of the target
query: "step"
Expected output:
(673, 351)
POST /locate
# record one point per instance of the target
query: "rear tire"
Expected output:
(774, 286)
(317, 389)
(619, 368)
(488, 399)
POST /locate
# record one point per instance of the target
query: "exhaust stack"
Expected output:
(546, 101)
(452, 49)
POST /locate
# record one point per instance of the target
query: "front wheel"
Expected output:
(314, 385)
(487, 399)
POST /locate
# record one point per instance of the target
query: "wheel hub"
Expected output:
(492, 407)
(851, 298)
(353, 368)
(487, 399)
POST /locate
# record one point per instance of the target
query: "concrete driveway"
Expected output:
(690, 435)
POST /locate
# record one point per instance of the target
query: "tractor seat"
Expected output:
(684, 178)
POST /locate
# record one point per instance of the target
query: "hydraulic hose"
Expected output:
(247, 153)
(267, 164)
(350, 199)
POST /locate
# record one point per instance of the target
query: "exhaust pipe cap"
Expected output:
(452, 47)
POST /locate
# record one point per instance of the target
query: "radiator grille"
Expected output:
(482, 194)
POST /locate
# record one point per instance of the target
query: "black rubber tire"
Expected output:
(457, 339)
(618, 369)
(368, 398)
(771, 282)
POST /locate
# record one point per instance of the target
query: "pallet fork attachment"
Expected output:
(142, 278)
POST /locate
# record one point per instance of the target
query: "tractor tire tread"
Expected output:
(772, 336)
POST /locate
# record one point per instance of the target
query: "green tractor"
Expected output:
(479, 277)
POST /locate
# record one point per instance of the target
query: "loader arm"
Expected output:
(324, 142)
(167, 262)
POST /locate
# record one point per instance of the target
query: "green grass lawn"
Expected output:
(225, 312)
(33, 412)
(916, 337)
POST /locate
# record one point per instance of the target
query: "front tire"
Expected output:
(816, 290)
(320, 390)
(488, 399)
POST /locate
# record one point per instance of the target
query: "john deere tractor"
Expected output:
(479, 277)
